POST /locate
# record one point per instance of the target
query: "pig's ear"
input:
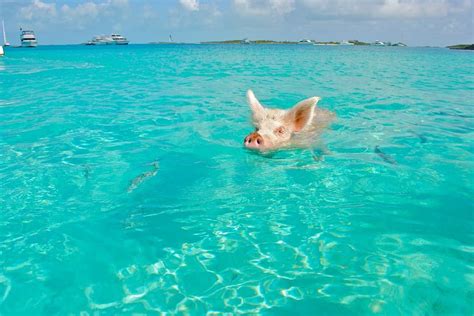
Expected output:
(256, 107)
(302, 113)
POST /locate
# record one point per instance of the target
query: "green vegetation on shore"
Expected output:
(462, 46)
(304, 42)
(252, 42)
(356, 42)
(327, 43)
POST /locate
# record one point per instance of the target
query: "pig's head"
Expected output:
(275, 128)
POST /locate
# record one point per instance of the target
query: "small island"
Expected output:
(306, 42)
(462, 46)
(246, 41)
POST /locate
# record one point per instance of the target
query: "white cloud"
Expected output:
(208, 14)
(119, 3)
(354, 8)
(39, 12)
(38, 9)
(379, 9)
(412, 9)
(418, 21)
(190, 5)
(264, 7)
(282, 6)
(211, 14)
(149, 13)
(80, 13)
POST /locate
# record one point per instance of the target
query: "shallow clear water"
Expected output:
(125, 187)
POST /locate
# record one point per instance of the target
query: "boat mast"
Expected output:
(4, 35)
(171, 39)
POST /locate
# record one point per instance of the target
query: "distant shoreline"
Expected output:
(250, 42)
(462, 46)
(258, 42)
(272, 42)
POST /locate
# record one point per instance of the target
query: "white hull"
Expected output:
(106, 43)
(1, 51)
(96, 43)
(28, 38)
(29, 43)
(114, 39)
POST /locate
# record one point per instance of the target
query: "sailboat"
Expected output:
(5, 43)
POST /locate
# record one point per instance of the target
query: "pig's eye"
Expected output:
(280, 130)
(257, 129)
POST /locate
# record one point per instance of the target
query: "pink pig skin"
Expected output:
(297, 127)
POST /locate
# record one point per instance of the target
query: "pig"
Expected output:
(276, 129)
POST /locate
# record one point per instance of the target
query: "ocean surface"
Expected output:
(124, 186)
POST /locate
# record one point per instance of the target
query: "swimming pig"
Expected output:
(293, 128)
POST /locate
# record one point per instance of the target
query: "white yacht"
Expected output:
(378, 43)
(118, 39)
(114, 39)
(346, 43)
(98, 40)
(28, 39)
(5, 43)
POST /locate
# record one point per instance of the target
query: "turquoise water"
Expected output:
(125, 187)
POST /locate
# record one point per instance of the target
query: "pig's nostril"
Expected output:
(254, 140)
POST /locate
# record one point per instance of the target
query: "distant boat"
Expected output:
(28, 38)
(98, 40)
(170, 39)
(378, 43)
(325, 44)
(5, 43)
(305, 41)
(114, 39)
(118, 39)
(346, 43)
(245, 41)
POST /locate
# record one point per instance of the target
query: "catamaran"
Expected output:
(5, 43)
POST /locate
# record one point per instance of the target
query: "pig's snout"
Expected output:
(253, 141)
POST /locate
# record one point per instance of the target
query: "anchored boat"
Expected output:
(114, 39)
(5, 43)
(28, 38)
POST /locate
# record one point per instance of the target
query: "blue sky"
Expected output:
(415, 22)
